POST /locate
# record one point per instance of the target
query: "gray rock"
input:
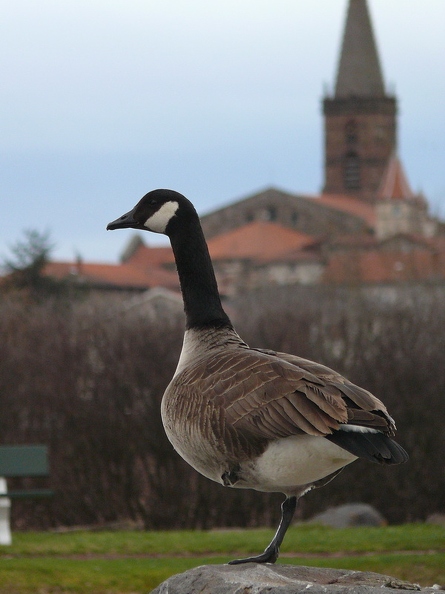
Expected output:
(438, 519)
(350, 514)
(253, 578)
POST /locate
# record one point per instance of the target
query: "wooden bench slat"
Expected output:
(28, 493)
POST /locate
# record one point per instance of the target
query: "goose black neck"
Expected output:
(202, 303)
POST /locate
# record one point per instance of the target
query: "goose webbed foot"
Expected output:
(271, 553)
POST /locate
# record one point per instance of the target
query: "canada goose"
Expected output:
(251, 418)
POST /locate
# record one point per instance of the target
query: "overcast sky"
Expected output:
(104, 100)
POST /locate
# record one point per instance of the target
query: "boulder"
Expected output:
(437, 519)
(254, 578)
(350, 514)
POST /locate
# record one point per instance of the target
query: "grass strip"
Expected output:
(301, 539)
(51, 575)
(112, 562)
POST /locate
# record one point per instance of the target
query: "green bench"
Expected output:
(20, 461)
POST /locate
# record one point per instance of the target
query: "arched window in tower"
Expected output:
(352, 171)
(351, 133)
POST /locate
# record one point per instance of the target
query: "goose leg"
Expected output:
(271, 553)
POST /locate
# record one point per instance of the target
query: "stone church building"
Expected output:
(366, 226)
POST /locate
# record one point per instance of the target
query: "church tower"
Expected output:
(360, 119)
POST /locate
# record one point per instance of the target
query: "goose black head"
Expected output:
(155, 212)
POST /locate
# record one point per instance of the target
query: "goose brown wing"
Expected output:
(364, 409)
(272, 395)
(267, 396)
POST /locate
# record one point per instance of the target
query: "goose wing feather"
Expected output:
(268, 396)
(364, 409)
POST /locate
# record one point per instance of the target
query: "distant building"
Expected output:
(366, 226)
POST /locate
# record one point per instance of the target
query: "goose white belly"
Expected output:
(292, 462)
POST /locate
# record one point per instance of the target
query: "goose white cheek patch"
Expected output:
(160, 219)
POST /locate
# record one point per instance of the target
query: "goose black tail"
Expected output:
(375, 447)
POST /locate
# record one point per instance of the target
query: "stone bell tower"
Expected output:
(360, 119)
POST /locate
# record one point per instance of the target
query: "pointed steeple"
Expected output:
(359, 73)
(360, 119)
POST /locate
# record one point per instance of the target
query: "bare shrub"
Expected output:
(87, 378)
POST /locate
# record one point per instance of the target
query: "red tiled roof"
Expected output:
(257, 240)
(119, 275)
(353, 206)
